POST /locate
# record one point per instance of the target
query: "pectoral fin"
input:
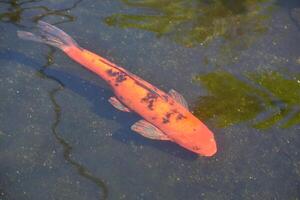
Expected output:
(148, 130)
(179, 98)
(117, 104)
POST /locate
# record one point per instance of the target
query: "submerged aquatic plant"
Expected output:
(194, 22)
(286, 97)
(232, 100)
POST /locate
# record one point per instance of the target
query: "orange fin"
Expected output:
(49, 34)
(179, 98)
(148, 130)
(117, 104)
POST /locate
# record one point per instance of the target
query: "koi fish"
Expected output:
(165, 115)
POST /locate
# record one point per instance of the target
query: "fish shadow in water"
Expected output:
(99, 96)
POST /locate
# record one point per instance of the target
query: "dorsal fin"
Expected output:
(179, 98)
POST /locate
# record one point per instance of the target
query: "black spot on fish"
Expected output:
(150, 99)
(150, 104)
(112, 73)
(180, 116)
(165, 120)
(121, 77)
(167, 117)
(196, 148)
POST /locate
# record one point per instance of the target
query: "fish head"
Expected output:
(200, 141)
(208, 149)
(205, 145)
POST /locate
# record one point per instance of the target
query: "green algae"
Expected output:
(284, 90)
(232, 100)
(192, 22)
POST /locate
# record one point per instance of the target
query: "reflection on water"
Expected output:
(14, 14)
(83, 171)
(15, 10)
(68, 148)
(196, 22)
(3, 195)
(232, 100)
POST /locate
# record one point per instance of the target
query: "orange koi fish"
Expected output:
(165, 115)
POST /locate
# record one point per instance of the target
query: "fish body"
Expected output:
(165, 115)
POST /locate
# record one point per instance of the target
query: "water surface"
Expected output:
(237, 64)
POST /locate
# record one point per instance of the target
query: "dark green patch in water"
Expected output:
(232, 100)
(195, 22)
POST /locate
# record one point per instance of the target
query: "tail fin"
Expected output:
(49, 34)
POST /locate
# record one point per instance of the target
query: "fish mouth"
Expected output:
(209, 150)
(210, 153)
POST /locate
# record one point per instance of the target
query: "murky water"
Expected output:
(236, 62)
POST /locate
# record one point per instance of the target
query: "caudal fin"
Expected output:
(49, 34)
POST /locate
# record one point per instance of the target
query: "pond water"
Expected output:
(236, 62)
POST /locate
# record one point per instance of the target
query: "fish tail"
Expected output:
(51, 35)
